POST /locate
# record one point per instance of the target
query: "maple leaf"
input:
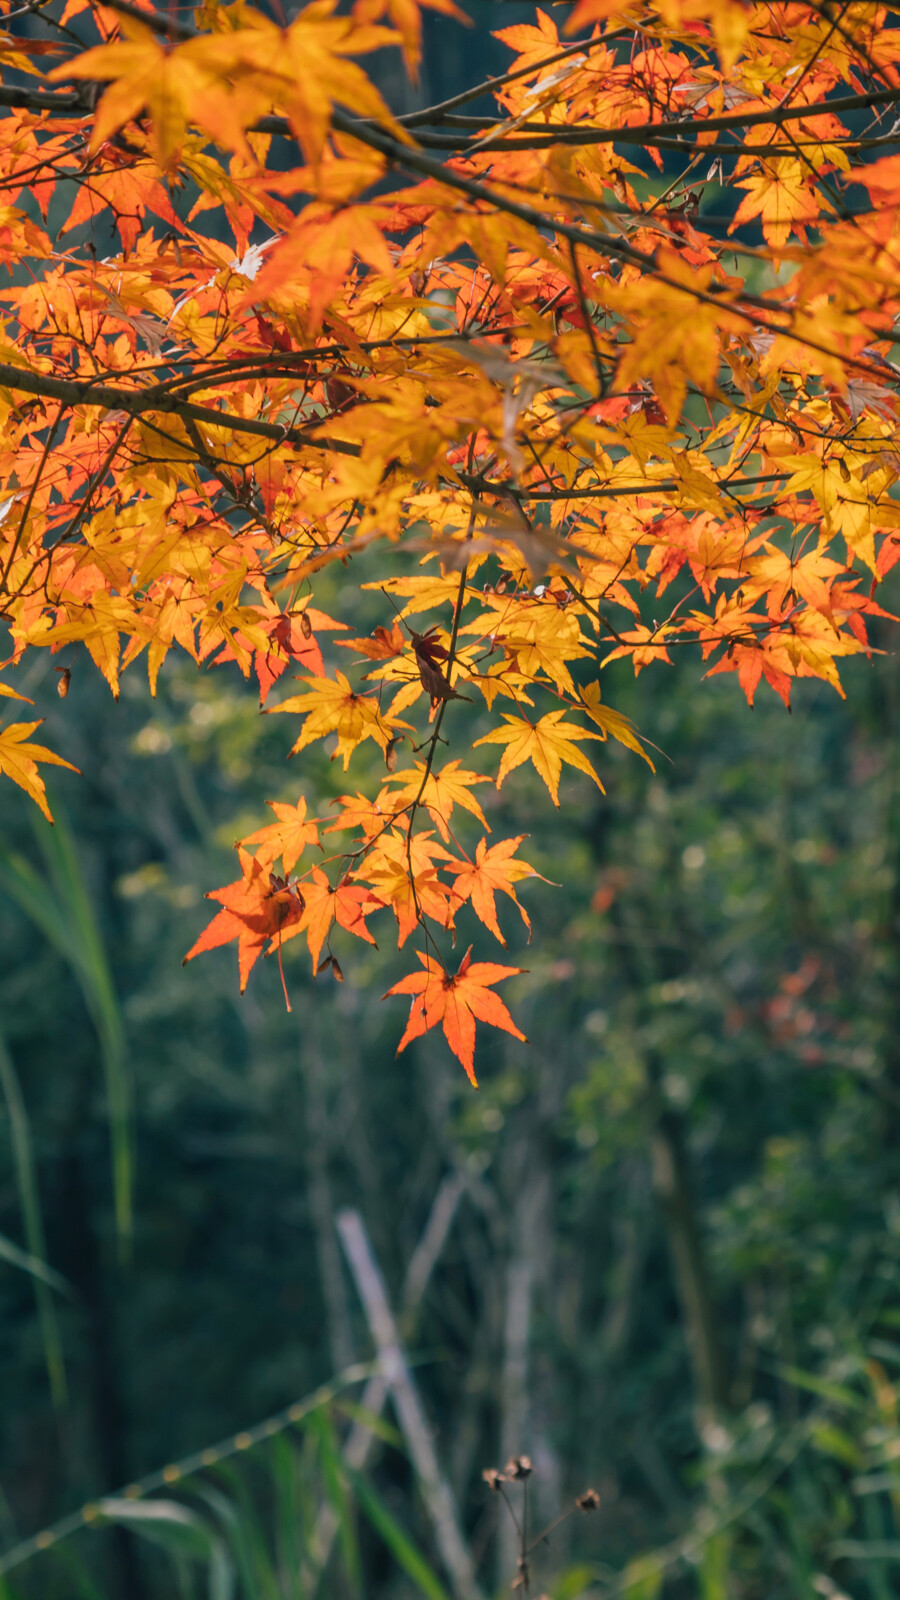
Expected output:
(439, 792)
(19, 757)
(533, 44)
(292, 638)
(129, 191)
(429, 654)
(357, 811)
(465, 370)
(348, 904)
(612, 722)
(780, 195)
(403, 872)
(256, 907)
(287, 838)
(142, 73)
(644, 645)
(331, 706)
(781, 579)
(382, 646)
(406, 17)
(493, 871)
(882, 179)
(547, 743)
(455, 1000)
(224, 82)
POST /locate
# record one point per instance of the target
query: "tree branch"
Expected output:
(139, 402)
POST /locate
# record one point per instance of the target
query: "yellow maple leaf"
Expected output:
(547, 743)
(403, 872)
(779, 195)
(142, 73)
(439, 792)
(612, 722)
(535, 638)
(333, 707)
(224, 82)
(19, 759)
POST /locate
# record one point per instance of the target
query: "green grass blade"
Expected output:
(234, 1527)
(78, 1575)
(286, 1477)
(62, 910)
(405, 1552)
(17, 1257)
(186, 1536)
(334, 1483)
(33, 1225)
(382, 1429)
(245, 1524)
(32, 894)
(837, 1393)
(88, 957)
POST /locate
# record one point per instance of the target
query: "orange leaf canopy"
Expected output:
(604, 373)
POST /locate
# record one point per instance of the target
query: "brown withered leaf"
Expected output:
(429, 654)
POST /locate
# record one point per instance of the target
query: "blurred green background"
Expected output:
(658, 1251)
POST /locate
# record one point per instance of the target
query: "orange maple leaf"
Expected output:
(257, 907)
(455, 1000)
(287, 838)
(292, 637)
(492, 871)
(370, 816)
(382, 646)
(348, 905)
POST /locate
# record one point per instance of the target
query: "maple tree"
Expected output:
(600, 373)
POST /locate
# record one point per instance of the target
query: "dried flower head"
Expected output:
(493, 1478)
(518, 1467)
(589, 1501)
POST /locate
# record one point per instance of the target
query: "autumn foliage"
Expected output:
(604, 371)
